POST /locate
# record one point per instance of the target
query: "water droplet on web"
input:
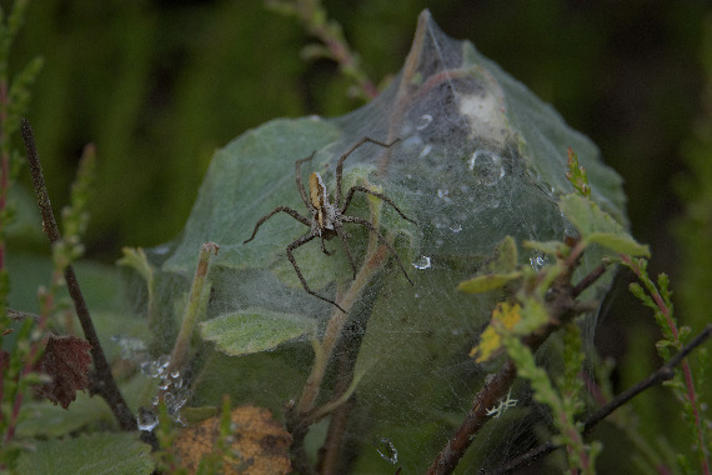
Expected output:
(444, 194)
(537, 262)
(388, 451)
(422, 263)
(146, 419)
(175, 374)
(426, 150)
(424, 121)
(456, 228)
(129, 346)
(486, 166)
(162, 249)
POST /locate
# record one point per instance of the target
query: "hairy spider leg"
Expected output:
(356, 188)
(323, 245)
(342, 236)
(300, 242)
(381, 237)
(340, 163)
(300, 187)
(284, 209)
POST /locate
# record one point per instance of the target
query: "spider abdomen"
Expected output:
(325, 211)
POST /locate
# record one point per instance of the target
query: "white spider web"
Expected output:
(480, 158)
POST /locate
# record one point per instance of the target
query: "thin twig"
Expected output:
(686, 372)
(20, 315)
(561, 308)
(663, 373)
(105, 385)
(587, 281)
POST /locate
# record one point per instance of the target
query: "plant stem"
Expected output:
(373, 263)
(105, 385)
(182, 344)
(561, 309)
(4, 167)
(662, 374)
(687, 373)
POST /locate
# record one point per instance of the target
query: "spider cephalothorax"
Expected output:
(327, 218)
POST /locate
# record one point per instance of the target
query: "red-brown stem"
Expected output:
(687, 374)
(4, 166)
(104, 383)
(32, 356)
(450, 455)
(560, 309)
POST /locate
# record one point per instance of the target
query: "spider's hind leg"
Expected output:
(300, 242)
(368, 225)
(342, 236)
(342, 158)
(323, 246)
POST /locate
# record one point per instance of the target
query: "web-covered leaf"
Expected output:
(479, 158)
(597, 226)
(246, 332)
(119, 452)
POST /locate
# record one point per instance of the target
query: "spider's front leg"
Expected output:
(342, 158)
(298, 174)
(300, 242)
(383, 197)
(283, 209)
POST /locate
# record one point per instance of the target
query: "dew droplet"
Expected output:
(537, 262)
(486, 166)
(422, 263)
(426, 150)
(424, 121)
(388, 451)
(162, 249)
(456, 228)
(146, 419)
(175, 374)
(444, 194)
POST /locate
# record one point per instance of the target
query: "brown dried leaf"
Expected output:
(66, 360)
(261, 444)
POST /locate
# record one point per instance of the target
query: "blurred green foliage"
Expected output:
(159, 85)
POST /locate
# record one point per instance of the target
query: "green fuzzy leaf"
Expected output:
(620, 243)
(548, 247)
(247, 332)
(116, 453)
(595, 225)
(485, 283)
(47, 419)
(534, 316)
(505, 256)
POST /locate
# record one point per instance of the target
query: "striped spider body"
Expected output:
(327, 218)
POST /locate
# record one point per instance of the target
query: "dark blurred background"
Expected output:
(159, 85)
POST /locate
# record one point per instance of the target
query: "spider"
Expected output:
(327, 218)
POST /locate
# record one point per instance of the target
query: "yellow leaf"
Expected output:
(504, 317)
